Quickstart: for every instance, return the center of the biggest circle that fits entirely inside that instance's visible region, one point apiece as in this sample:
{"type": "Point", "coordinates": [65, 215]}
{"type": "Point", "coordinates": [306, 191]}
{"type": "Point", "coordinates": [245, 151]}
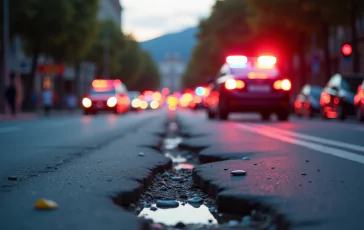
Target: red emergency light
{"type": "Point", "coordinates": [346, 49]}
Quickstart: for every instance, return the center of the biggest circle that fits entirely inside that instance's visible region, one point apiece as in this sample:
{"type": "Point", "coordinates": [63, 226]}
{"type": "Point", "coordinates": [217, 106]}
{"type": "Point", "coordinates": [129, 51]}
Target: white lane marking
{"type": "Point", "coordinates": [315, 139]}
{"type": "Point", "coordinates": [8, 129]}
{"type": "Point", "coordinates": [360, 129]}
{"type": "Point", "coordinates": [317, 147]}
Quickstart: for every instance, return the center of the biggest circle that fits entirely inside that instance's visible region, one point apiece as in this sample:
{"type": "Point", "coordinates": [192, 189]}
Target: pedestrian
{"type": "Point", "coordinates": [11, 95]}
{"type": "Point", "coordinates": [47, 100]}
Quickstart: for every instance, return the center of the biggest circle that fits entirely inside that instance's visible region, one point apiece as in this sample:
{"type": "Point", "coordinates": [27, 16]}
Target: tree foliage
{"type": "Point", "coordinates": [107, 33]}
{"type": "Point", "coordinates": [281, 27]}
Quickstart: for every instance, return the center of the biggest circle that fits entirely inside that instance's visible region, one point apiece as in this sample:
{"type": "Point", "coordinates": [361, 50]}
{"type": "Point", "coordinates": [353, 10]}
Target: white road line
{"type": "Point", "coordinates": [313, 138]}
{"type": "Point", "coordinates": [8, 129]}
{"type": "Point", "coordinates": [317, 147]}
{"type": "Point", "coordinates": [360, 129]}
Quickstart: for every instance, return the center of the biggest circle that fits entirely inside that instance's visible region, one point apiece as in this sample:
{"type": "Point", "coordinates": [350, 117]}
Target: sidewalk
{"type": "Point", "coordinates": [37, 114]}
{"type": "Point", "coordinates": [19, 116]}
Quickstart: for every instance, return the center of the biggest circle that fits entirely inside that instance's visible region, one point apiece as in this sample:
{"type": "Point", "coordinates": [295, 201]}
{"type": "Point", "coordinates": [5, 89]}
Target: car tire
{"type": "Point", "coordinates": [283, 116]}
{"type": "Point", "coordinates": [340, 113]}
{"type": "Point", "coordinates": [359, 114]}
{"type": "Point", "coordinates": [223, 115]}
{"type": "Point", "coordinates": [210, 115]}
{"type": "Point", "coordinates": [265, 116]}
{"type": "Point", "coordinates": [323, 114]}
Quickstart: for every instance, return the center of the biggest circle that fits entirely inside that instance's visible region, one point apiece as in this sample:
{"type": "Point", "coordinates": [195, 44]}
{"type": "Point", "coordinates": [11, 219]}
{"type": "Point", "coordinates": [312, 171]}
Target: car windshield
{"type": "Point", "coordinates": [316, 92]}
{"type": "Point", "coordinates": [253, 72]}
{"type": "Point", "coordinates": [102, 92]}
{"type": "Point", "coordinates": [351, 84]}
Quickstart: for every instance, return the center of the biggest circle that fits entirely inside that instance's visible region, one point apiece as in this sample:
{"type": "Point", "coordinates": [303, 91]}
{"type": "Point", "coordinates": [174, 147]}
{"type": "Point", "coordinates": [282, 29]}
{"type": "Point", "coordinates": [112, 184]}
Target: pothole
{"type": "Point", "coordinates": [174, 202]}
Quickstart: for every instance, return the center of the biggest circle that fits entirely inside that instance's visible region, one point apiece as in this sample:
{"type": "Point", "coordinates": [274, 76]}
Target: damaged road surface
{"type": "Point", "coordinates": [307, 171]}
{"type": "Point", "coordinates": [179, 170]}
{"type": "Point", "coordinates": [84, 164]}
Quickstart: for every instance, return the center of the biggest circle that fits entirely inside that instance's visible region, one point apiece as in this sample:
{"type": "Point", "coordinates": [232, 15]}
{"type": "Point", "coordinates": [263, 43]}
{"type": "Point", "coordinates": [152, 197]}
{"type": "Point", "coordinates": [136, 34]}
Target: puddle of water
{"type": "Point", "coordinates": [183, 166]}
{"type": "Point", "coordinates": [187, 214]}
{"type": "Point", "coordinates": [176, 159]}
{"type": "Point", "coordinates": [172, 143]}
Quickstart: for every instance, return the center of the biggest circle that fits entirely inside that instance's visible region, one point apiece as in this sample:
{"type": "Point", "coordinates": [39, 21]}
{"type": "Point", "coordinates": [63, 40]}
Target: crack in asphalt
{"type": "Point", "coordinates": [7, 186]}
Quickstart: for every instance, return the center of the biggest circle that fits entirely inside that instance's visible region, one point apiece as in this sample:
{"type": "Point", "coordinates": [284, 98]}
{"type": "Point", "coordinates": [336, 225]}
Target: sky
{"type": "Point", "coordinates": [147, 19]}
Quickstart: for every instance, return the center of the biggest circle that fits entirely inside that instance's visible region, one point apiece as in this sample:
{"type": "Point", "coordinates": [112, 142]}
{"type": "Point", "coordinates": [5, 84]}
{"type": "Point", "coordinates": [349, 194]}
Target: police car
{"type": "Point", "coordinates": [249, 84]}
{"type": "Point", "coordinates": [106, 95]}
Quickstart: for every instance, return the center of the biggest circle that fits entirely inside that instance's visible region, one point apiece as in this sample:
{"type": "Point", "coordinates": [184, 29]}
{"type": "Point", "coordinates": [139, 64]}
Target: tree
{"type": "Point", "coordinates": [130, 61]}
{"type": "Point", "coordinates": [42, 24]}
{"type": "Point", "coordinates": [106, 30]}
{"type": "Point", "coordinates": [217, 39]}
{"type": "Point", "coordinates": [149, 78]}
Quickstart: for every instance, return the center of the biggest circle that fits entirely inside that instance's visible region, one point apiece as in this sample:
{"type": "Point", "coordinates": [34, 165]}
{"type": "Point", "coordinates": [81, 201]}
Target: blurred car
{"type": "Point", "coordinates": [106, 95]}
{"type": "Point", "coordinates": [337, 98]}
{"type": "Point", "coordinates": [134, 100]}
{"type": "Point", "coordinates": [198, 97]}
{"type": "Point", "coordinates": [359, 102]}
{"type": "Point", "coordinates": [150, 100]}
{"type": "Point", "coordinates": [249, 84]}
{"type": "Point", "coordinates": [307, 102]}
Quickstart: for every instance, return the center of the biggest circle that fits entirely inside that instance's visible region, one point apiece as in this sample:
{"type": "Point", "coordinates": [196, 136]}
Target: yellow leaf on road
{"type": "Point", "coordinates": [45, 204]}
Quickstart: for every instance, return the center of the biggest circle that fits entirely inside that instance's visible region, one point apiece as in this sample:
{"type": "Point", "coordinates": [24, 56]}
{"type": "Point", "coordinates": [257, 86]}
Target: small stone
{"type": "Point", "coordinates": [176, 178]}
{"type": "Point", "coordinates": [13, 178]}
{"type": "Point", "coordinates": [307, 161]}
{"type": "Point", "coordinates": [210, 221]}
{"type": "Point", "coordinates": [303, 174]}
{"type": "Point", "coordinates": [246, 158]}
{"type": "Point", "coordinates": [226, 169]}
{"type": "Point", "coordinates": [195, 199]}
{"type": "Point", "coordinates": [233, 223]}
{"type": "Point", "coordinates": [180, 225]}
{"type": "Point", "coordinates": [165, 174]}
{"type": "Point", "coordinates": [272, 168]}
{"type": "Point", "coordinates": [246, 221]}
{"type": "Point", "coordinates": [153, 208]}
{"type": "Point", "coordinates": [167, 204]}
{"type": "Point", "coordinates": [318, 170]}
{"type": "Point", "coordinates": [309, 181]}
{"type": "Point", "coordinates": [255, 164]}
{"type": "Point", "coordinates": [238, 173]}
{"type": "Point", "coordinates": [141, 154]}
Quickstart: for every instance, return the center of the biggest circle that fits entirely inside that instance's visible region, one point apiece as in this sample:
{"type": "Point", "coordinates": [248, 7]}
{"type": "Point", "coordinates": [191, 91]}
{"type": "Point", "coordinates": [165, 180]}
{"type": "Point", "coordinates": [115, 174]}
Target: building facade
{"type": "Point", "coordinates": [111, 9]}
{"type": "Point", "coordinates": [171, 70]}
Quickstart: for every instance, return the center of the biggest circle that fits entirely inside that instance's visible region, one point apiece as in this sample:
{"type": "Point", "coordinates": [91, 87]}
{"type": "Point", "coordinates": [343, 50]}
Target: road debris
{"type": "Point", "coordinates": [238, 173]}
{"type": "Point", "coordinates": [44, 204]}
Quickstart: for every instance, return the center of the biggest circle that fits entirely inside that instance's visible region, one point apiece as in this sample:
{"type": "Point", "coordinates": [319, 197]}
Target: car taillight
{"type": "Point", "coordinates": [86, 102]}
{"type": "Point", "coordinates": [282, 85]}
{"type": "Point", "coordinates": [232, 84]}
{"type": "Point", "coordinates": [325, 98]}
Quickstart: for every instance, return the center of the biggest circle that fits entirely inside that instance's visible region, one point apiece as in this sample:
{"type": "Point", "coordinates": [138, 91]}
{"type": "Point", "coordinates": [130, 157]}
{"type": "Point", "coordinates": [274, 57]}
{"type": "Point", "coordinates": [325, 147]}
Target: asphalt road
{"type": "Point", "coordinates": [80, 162]}
{"type": "Point", "coordinates": [309, 170]}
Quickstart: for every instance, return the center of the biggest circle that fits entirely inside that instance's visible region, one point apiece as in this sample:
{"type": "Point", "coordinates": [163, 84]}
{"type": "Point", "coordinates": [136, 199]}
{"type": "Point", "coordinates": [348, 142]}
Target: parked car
{"type": "Point", "coordinates": [337, 98]}
{"type": "Point", "coordinates": [307, 102]}
{"type": "Point", "coordinates": [359, 102]}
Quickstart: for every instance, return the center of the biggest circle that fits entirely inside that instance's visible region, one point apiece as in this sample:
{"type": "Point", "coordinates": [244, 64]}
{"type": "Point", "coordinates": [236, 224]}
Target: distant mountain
{"type": "Point", "coordinates": [181, 42]}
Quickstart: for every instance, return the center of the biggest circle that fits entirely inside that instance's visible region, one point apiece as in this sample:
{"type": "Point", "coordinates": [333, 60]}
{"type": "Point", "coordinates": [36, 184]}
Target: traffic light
{"type": "Point", "coordinates": [346, 50]}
